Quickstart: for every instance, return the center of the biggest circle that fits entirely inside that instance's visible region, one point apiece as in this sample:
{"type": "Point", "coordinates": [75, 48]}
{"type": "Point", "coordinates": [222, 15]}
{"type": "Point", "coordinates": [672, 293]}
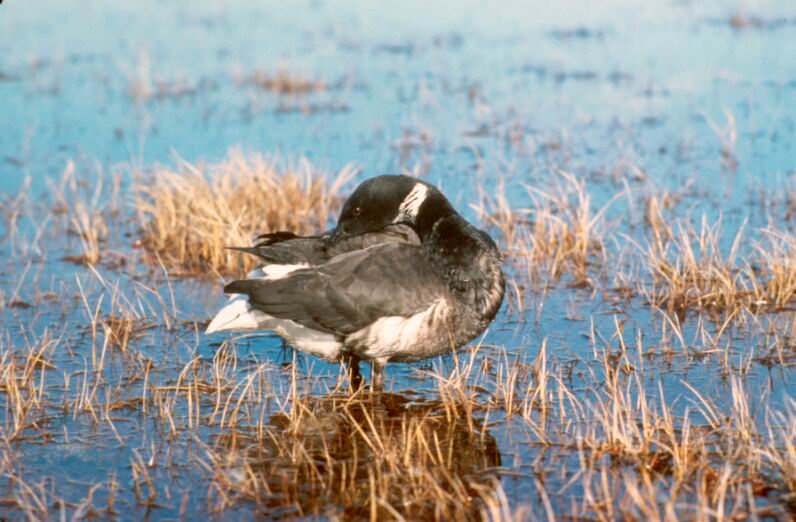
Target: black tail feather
{"type": "Point", "coordinates": [271, 238]}
{"type": "Point", "coordinates": [248, 250]}
{"type": "Point", "coordinates": [238, 287]}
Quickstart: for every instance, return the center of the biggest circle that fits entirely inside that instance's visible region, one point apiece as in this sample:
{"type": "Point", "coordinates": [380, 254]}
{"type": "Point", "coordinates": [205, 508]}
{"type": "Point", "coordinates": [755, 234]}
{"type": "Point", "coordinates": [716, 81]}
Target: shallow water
{"type": "Point", "coordinates": [624, 96]}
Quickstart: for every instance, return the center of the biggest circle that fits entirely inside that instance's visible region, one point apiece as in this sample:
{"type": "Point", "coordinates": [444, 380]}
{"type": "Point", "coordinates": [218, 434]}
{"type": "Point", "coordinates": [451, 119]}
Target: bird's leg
{"type": "Point", "coordinates": [352, 366]}
{"type": "Point", "coordinates": [376, 376]}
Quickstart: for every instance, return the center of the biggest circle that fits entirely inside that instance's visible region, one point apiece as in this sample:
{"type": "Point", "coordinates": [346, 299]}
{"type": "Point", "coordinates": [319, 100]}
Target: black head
{"type": "Point", "coordinates": [385, 200]}
{"type": "Point", "coordinates": [469, 262]}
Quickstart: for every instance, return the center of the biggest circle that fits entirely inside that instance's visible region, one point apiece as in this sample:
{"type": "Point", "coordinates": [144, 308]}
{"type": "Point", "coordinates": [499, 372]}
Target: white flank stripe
{"type": "Point", "coordinates": [397, 335]}
{"type": "Point", "coordinates": [305, 339]}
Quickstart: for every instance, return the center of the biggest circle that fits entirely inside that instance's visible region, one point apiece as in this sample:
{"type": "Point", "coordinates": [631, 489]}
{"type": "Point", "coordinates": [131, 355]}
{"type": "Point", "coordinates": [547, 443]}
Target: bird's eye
{"type": "Point", "coordinates": [356, 212]}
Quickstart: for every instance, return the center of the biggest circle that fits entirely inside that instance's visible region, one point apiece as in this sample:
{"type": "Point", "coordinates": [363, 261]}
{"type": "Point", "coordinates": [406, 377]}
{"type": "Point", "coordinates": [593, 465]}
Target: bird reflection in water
{"type": "Point", "coordinates": [380, 455]}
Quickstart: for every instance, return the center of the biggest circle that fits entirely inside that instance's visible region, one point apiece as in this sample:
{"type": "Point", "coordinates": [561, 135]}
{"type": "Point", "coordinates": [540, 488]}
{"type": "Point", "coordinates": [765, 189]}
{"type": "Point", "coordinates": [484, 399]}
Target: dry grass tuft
{"type": "Point", "coordinates": [189, 215]}
{"type": "Point", "coordinates": [559, 233]}
{"type": "Point", "coordinates": [90, 226]}
{"type": "Point", "coordinates": [690, 270]}
{"type": "Point", "coordinates": [728, 137]}
{"type": "Point", "coordinates": [285, 83]}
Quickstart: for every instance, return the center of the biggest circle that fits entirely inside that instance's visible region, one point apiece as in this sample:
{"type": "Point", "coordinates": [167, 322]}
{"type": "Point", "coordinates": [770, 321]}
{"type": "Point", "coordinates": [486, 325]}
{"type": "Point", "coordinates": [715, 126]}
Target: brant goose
{"type": "Point", "coordinates": [402, 277]}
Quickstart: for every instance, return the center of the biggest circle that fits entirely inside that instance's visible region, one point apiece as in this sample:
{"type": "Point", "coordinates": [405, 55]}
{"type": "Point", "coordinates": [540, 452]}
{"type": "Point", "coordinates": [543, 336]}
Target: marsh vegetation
{"type": "Point", "coordinates": [640, 368]}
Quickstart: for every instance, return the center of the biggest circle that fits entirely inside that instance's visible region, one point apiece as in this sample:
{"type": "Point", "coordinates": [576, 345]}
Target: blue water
{"type": "Point", "coordinates": [622, 94]}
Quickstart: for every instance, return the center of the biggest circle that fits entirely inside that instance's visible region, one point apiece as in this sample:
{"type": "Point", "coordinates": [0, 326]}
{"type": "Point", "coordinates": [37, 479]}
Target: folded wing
{"type": "Point", "coordinates": [286, 248]}
{"type": "Point", "coordinates": [351, 291]}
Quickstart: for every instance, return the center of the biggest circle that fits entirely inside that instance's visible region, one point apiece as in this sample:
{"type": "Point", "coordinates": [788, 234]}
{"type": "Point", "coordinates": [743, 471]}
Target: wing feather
{"type": "Point", "coordinates": [288, 248]}
{"type": "Point", "coordinates": [351, 291]}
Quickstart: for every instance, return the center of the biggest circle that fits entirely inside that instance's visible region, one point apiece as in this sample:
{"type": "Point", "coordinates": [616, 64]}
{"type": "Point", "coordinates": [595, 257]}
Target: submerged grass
{"type": "Point", "coordinates": [191, 213]}
{"type": "Point", "coordinates": [490, 434]}
{"type": "Point", "coordinates": [358, 457]}
{"type": "Point", "coordinates": [285, 83]}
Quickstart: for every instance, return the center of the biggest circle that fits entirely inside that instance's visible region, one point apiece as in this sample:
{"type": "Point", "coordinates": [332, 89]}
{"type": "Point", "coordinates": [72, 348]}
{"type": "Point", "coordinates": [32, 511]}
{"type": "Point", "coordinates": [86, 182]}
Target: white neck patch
{"type": "Point", "coordinates": [410, 206]}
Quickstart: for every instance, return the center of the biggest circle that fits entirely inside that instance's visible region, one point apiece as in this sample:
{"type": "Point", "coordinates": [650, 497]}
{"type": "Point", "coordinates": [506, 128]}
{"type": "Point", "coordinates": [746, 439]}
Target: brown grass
{"type": "Point", "coordinates": [283, 82]}
{"type": "Point", "coordinates": [559, 233]}
{"type": "Point", "coordinates": [191, 213]}
{"type": "Point", "coordinates": [81, 204]}
{"type": "Point", "coordinates": [590, 435]}
{"type": "Point", "coordinates": [363, 457]}
{"type": "Point", "coordinates": [632, 452]}
{"type": "Point", "coordinates": [690, 270]}
{"type": "Point", "coordinates": [90, 227]}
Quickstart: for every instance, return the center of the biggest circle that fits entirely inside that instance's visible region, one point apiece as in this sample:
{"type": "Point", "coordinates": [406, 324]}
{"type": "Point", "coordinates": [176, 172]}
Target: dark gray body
{"type": "Point", "coordinates": [402, 277]}
{"type": "Point", "coordinates": [360, 295]}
